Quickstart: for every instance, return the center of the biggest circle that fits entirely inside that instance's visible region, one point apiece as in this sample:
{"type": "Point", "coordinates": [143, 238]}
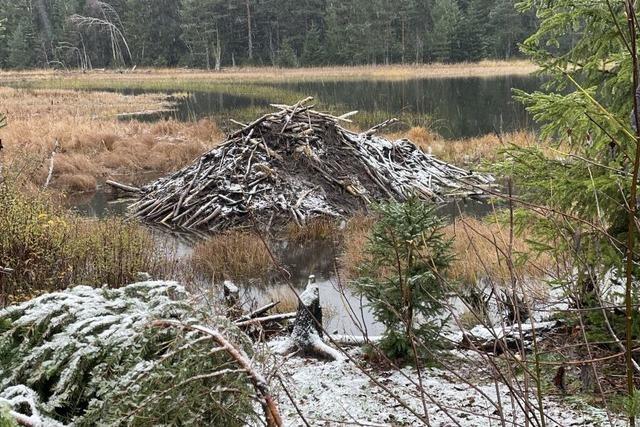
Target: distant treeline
{"type": "Point", "coordinates": [219, 33]}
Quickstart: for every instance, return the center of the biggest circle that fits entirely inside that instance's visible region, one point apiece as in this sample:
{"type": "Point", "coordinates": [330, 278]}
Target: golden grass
{"type": "Point", "coordinates": [93, 143]}
{"type": "Point", "coordinates": [481, 249]}
{"type": "Point", "coordinates": [320, 228]}
{"type": "Point", "coordinates": [272, 74]}
{"type": "Point", "coordinates": [233, 255]}
{"type": "Point", "coordinates": [355, 240]}
{"type": "Point", "coordinates": [468, 151]}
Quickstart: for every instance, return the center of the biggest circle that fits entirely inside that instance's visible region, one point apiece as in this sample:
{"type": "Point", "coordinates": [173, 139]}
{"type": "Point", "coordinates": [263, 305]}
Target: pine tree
{"type": "Point", "coordinates": [313, 52]}
{"type": "Point", "coordinates": [20, 49]}
{"type": "Point", "coordinates": [408, 245]}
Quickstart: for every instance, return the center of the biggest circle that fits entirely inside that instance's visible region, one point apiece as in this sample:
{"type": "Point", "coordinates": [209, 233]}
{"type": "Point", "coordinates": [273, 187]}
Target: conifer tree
{"type": "Point", "coordinates": [407, 244]}
{"type": "Point", "coordinates": [313, 52]}
{"type": "Point", "coordinates": [20, 51]}
{"type": "Point", "coordinates": [446, 17]}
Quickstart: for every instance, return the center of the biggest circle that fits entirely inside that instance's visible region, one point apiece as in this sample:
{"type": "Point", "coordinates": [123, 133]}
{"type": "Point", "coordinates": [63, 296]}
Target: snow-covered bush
{"type": "Point", "coordinates": [92, 356]}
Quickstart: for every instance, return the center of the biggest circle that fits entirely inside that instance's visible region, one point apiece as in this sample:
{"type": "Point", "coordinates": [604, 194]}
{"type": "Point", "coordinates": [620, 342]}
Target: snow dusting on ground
{"type": "Point", "coordinates": [338, 393]}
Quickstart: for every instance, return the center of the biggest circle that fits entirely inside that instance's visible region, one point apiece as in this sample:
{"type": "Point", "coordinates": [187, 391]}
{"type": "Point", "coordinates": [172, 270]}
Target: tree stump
{"type": "Point", "coordinates": [306, 337]}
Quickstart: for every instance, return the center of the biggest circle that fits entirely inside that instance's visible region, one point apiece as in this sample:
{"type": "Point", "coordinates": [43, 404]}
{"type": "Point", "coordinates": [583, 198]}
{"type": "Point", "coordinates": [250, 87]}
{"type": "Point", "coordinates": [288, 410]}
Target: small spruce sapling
{"type": "Point", "coordinates": [402, 277]}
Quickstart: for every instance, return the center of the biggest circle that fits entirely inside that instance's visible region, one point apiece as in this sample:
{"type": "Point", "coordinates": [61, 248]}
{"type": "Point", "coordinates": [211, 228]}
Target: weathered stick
{"type": "Point", "coordinates": [53, 155]}
{"type": "Point", "coordinates": [123, 187]}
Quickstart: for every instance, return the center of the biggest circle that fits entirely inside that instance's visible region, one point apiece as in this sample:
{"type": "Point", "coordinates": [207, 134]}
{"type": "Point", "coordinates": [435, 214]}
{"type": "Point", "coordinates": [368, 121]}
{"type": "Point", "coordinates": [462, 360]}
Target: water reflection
{"type": "Point", "coordinates": [454, 107]}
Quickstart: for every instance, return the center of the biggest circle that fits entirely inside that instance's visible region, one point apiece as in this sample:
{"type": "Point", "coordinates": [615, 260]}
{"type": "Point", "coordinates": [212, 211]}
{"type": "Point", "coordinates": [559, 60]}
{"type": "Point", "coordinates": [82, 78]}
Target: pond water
{"type": "Point", "coordinates": [453, 107]}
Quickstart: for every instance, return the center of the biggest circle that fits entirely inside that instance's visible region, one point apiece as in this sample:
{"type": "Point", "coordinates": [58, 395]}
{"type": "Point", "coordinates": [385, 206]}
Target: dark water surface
{"type": "Point", "coordinates": [453, 107]}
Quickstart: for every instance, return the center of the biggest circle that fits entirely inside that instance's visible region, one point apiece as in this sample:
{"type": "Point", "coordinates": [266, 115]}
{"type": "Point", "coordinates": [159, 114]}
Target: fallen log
{"type": "Point", "coordinates": [266, 319]}
{"type": "Point", "coordinates": [258, 312]}
{"type": "Point", "coordinates": [306, 338]}
{"type": "Point", "coordinates": [123, 187]}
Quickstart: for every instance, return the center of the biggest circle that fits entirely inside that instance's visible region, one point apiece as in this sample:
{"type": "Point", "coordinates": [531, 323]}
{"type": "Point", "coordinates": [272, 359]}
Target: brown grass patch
{"type": "Point", "coordinates": [287, 297]}
{"type": "Point", "coordinates": [234, 255]}
{"type": "Point", "coordinates": [356, 238]}
{"type": "Point", "coordinates": [76, 183]}
{"type": "Point", "coordinates": [486, 68]}
{"type": "Point", "coordinates": [320, 228]}
{"type": "Point", "coordinates": [93, 142]}
{"type": "Point", "coordinates": [481, 248]}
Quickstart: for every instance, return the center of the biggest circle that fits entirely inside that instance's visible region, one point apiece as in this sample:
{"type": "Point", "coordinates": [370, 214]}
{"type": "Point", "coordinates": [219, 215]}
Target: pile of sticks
{"type": "Point", "coordinates": [296, 164]}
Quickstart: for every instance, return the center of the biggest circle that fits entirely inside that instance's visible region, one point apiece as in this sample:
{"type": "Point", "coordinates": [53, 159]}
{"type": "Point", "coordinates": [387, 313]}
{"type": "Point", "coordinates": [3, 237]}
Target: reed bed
{"type": "Point", "coordinates": [235, 255]}
{"type": "Point", "coordinates": [182, 76]}
{"type": "Point", "coordinates": [92, 144]}
{"type": "Point", "coordinates": [481, 248]}
{"type": "Point", "coordinates": [467, 151]}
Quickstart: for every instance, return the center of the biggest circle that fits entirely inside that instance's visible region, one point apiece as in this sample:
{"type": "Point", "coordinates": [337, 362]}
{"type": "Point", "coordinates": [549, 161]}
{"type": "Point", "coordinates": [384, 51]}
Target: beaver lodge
{"type": "Point", "coordinates": [297, 163]}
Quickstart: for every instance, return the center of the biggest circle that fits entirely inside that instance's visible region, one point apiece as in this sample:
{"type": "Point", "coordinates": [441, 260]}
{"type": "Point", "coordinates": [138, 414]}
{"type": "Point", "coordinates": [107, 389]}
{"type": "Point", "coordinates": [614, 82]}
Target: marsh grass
{"type": "Point", "coordinates": [183, 78]}
{"type": "Point", "coordinates": [480, 246]}
{"type": "Point", "coordinates": [287, 297]}
{"type": "Point", "coordinates": [234, 255]}
{"type": "Point", "coordinates": [467, 151]}
{"type": "Point", "coordinates": [93, 144]}
{"type": "Point", "coordinates": [321, 228]}
{"type": "Point", "coordinates": [482, 250]}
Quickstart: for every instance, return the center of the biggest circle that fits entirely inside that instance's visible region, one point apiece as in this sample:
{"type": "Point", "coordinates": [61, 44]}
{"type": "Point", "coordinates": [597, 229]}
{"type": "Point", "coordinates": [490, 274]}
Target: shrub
{"type": "Point", "coordinates": [49, 249]}
{"type": "Point", "coordinates": [88, 356]}
{"type": "Point", "coordinates": [408, 245]}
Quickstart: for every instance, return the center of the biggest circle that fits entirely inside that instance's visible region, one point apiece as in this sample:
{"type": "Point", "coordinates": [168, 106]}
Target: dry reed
{"type": "Point", "coordinates": [93, 143]}
{"type": "Point", "coordinates": [234, 255]}
{"type": "Point", "coordinates": [487, 68]}
{"type": "Point", "coordinates": [480, 247]}
{"type": "Point", "coordinates": [467, 151]}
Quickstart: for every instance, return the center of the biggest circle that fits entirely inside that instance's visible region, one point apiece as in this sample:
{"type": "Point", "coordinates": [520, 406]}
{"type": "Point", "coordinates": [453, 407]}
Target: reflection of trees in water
{"type": "Point", "coordinates": [303, 259]}
{"type": "Point", "coordinates": [456, 107]}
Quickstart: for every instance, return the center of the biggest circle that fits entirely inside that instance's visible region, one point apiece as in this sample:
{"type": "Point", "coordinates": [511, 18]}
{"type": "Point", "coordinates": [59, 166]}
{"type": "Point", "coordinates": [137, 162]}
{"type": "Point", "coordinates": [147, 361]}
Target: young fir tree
{"type": "Point", "coordinates": [402, 277]}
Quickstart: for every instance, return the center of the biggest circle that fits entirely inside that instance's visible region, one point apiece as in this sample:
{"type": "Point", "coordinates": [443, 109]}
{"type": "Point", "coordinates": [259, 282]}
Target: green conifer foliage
{"type": "Point", "coordinates": [92, 357]}
{"type": "Point", "coordinates": [402, 278]}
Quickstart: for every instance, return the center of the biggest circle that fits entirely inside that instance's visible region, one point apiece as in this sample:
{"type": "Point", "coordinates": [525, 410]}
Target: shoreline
{"type": "Point", "coordinates": [101, 78]}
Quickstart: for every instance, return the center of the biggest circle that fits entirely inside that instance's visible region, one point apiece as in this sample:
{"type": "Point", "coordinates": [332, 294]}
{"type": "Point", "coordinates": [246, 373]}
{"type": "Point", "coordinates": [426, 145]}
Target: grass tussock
{"type": "Point", "coordinates": [233, 255]}
{"type": "Point", "coordinates": [355, 240]}
{"type": "Point", "coordinates": [50, 249]}
{"type": "Point", "coordinates": [93, 143]}
{"type": "Point", "coordinates": [287, 297]}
